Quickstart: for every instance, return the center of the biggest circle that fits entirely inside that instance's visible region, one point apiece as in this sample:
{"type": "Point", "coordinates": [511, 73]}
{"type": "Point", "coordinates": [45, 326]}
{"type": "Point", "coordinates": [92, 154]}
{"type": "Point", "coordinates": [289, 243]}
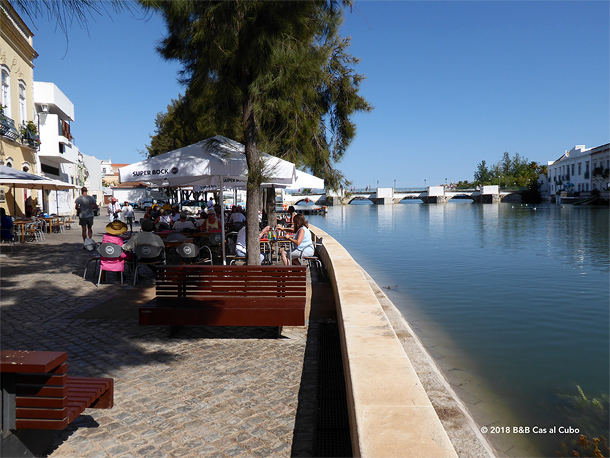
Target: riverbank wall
{"type": "Point", "coordinates": [390, 412]}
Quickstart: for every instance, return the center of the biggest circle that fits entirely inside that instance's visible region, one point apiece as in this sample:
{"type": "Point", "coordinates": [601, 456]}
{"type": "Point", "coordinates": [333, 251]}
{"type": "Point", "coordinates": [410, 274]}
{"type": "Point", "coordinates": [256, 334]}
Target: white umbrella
{"type": "Point", "coordinates": [205, 163]}
{"type": "Point", "coordinates": [19, 179]}
{"type": "Point", "coordinates": [202, 163]}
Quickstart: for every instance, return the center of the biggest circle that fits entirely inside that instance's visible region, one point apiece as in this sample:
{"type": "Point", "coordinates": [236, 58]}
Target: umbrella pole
{"type": "Point", "coordinates": [222, 224]}
{"type": "Point", "coordinates": [57, 202]}
{"type": "Point", "coordinates": [14, 202]}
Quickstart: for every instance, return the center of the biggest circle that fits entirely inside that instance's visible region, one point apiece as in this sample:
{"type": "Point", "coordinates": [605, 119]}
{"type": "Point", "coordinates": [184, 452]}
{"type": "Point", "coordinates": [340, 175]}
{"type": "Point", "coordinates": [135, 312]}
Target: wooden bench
{"type": "Point", "coordinates": [38, 394]}
{"type": "Point", "coordinates": [228, 296]}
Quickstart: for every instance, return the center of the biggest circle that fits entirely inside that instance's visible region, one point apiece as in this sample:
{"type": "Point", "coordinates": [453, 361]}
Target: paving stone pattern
{"type": "Point", "coordinates": [206, 392]}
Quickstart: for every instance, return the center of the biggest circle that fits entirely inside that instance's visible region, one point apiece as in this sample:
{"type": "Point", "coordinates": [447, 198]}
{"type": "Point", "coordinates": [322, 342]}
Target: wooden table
{"type": "Point", "coordinates": [21, 224]}
{"type": "Point", "coordinates": [278, 243]}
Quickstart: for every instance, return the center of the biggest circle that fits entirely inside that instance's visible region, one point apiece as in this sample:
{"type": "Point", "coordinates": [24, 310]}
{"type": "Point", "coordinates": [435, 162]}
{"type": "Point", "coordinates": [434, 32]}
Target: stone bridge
{"type": "Point", "coordinates": [431, 194]}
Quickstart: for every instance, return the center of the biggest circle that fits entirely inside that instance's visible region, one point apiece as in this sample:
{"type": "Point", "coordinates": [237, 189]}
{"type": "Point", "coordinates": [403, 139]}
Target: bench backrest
{"type": "Point", "coordinates": [205, 282]}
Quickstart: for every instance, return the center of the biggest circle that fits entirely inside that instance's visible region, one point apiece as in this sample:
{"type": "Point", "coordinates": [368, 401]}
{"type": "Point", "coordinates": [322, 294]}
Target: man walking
{"type": "Point", "coordinates": [84, 210]}
{"type": "Point", "coordinates": [114, 208]}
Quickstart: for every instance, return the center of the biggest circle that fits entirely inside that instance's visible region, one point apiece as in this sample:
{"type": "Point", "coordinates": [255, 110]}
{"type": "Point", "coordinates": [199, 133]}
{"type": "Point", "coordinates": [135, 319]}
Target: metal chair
{"type": "Point", "coordinates": [95, 257]}
{"type": "Point", "coordinates": [189, 254]}
{"type": "Point", "coordinates": [312, 259]}
{"type": "Point", "coordinates": [31, 230]}
{"type": "Point", "coordinates": [147, 255]}
{"type": "Point", "coordinates": [214, 243]}
{"type": "Point", "coordinates": [109, 251]}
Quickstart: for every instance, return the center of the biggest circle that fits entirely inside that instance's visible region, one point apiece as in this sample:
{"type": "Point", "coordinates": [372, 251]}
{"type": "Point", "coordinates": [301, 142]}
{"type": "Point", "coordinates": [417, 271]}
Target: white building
{"type": "Point", "coordinates": [92, 176]}
{"type": "Point", "coordinates": [59, 157]}
{"type": "Point", "coordinates": [573, 172]}
{"type": "Point", "coordinates": [600, 170]}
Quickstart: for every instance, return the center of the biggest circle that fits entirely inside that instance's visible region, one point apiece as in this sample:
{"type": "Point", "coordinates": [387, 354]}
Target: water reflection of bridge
{"type": "Point", "coordinates": [383, 196]}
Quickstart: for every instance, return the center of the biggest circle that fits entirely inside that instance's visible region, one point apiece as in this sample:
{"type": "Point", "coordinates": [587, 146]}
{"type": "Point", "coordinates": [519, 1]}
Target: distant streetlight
{"type": "Point", "coordinates": [425, 185]}
{"type": "Point", "coordinates": [377, 183]}
{"type": "Point", "coordinates": [445, 181]}
{"type": "Point", "coordinates": [394, 184]}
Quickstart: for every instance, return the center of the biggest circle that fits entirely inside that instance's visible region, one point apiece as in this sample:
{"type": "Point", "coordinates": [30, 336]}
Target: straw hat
{"type": "Point", "coordinates": [116, 227]}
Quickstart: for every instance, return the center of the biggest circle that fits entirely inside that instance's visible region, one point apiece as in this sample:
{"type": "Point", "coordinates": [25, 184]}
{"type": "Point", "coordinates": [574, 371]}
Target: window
{"type": "Point", "coordinates": [5, 91]}
{"type": "Point", "coordinates": [23, 112]}
{"type": "Point", "coordinates": [572, 169]}
{"type": "Point", "coordinates": [580, 168]}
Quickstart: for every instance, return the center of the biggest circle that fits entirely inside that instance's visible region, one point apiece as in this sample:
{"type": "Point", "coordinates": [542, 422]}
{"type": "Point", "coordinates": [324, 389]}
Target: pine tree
{"type": "Point", "coordinates": [280, 68]}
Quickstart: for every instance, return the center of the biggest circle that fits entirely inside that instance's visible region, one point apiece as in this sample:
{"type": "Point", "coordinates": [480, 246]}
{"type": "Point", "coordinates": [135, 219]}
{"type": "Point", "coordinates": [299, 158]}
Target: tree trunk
{"type": "Point", "coordinates": [253, 247]}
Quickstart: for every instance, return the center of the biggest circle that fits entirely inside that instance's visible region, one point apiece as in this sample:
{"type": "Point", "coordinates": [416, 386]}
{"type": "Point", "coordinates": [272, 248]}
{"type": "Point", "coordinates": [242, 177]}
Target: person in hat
{"type": "Point", "coordinates": [84, 209]}
{"type": "Point", "coordinates": [113, 235]}
{"type": "Point", "coordinates": [114, 209]}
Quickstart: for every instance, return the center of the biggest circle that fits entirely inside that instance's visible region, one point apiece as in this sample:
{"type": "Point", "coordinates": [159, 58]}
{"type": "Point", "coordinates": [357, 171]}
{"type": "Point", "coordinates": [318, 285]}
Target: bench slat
{"type": "Point", "coordinates": [24, 413]}
{"type": "Point", "coordinates": [37, 390]}
{"type": "Point", "coordinates": [41, 379]}
{"type": "Point", "coordinates": [40, 401]}
{"type": "Point", "coordinates": [41, 423]}
{"type": "Point", "coordinates": [219, 303]}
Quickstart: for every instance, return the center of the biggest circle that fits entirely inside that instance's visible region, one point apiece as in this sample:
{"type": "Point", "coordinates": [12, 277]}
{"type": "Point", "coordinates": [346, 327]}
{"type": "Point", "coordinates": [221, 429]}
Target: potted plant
{"type": "Point", "coordinates": [29, 134]}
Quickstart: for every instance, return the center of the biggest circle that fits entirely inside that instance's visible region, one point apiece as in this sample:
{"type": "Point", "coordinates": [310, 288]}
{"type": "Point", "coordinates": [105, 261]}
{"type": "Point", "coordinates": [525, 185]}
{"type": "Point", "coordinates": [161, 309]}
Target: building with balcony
{"type": "Point", "coordinates": [600, 169]}
{"type": "Point", "coordinates": [18, 133]}
{"type": "Point", "coordinates": [580, 171]}
{"type": "Point", "coordinates": [58, 155]}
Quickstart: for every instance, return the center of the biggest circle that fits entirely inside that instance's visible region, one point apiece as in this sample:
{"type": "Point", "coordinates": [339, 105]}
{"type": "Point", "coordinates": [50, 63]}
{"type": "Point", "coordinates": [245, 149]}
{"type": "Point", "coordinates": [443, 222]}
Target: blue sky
{"type": "Point", "coordinates": [452, 83]}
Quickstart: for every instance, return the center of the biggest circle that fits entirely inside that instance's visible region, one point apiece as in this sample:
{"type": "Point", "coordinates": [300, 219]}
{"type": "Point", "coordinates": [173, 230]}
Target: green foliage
{"type": "Point", "coordinates": [300, 88]}
{"type": "Point", "coordinates": [29, 133]}
{"type": "Point", "coordinates": [509, 172]}
{"type": "Point", "coordinates": [591, 415]}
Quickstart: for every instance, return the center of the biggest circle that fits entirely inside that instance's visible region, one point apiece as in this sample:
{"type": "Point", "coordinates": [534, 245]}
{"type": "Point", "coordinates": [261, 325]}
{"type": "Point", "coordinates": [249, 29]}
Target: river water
{"type": "Point", "coordinates": [512, 301]}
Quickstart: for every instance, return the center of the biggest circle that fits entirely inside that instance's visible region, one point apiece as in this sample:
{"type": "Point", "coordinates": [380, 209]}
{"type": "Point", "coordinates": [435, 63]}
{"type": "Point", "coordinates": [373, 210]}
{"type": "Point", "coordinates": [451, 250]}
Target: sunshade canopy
{"type": "Point", "coordinates": [19, 179]}
{"type": "Point", "coordinates": [203, 163]}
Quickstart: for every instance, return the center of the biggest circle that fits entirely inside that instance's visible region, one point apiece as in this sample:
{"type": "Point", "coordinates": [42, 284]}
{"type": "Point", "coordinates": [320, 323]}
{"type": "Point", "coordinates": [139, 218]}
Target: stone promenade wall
{"type": "Point", "coordinates": [390, 412]}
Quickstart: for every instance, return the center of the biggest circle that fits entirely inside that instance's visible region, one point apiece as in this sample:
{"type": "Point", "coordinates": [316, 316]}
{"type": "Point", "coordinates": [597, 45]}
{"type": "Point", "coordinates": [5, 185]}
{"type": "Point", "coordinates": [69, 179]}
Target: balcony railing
{"type": "Point", "coordinates": [8, 129]}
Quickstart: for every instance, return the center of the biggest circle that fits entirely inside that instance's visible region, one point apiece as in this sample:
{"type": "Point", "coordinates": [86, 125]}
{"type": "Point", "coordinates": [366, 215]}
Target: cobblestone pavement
{"type": "Point", "coordinates": [213, 392]}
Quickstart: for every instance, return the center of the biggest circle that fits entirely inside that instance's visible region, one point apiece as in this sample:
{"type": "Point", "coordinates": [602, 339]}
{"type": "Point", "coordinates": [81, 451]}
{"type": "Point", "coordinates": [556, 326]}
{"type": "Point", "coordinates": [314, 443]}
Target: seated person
{"type": "Point", "coordinates": [240, 245]}
{"type": "Point", "coordinates": [183, 223]}
{"type": "Point", "coordinates": [212, 224]}
{"type": "Point", "coordinates": [237, 216]}
{"type": "Point", "coordinates": [163, 222]}
{"type": "Point", "coordinates": [302, 241]}
{"type": "Point", "coordinates": [146, 237]}
{"type": "Point", "coordinates": [6, 223]}
{"type": "Point", "coordinates": [200, 222]}
{"type": "Point", "coordinates": [175, 215]}
{"type": "Point", "coordinates": [112, 235]}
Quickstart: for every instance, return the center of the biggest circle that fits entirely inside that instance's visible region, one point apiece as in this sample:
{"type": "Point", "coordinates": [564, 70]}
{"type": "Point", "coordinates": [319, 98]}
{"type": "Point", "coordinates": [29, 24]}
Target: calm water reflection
{"type": "Point", "coordinates": [514, 299]}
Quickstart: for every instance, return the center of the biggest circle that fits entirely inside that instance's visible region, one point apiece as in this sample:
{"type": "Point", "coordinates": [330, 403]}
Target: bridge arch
{"type": "Point", "coordinates": [461, 197]}
{"type": "Point", "coordinates": [354, 198]}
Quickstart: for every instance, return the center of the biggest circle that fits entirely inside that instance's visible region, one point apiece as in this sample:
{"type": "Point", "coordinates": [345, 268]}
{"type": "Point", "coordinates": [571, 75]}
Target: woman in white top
{"type": "Point", "coordinates": [302, 241]}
